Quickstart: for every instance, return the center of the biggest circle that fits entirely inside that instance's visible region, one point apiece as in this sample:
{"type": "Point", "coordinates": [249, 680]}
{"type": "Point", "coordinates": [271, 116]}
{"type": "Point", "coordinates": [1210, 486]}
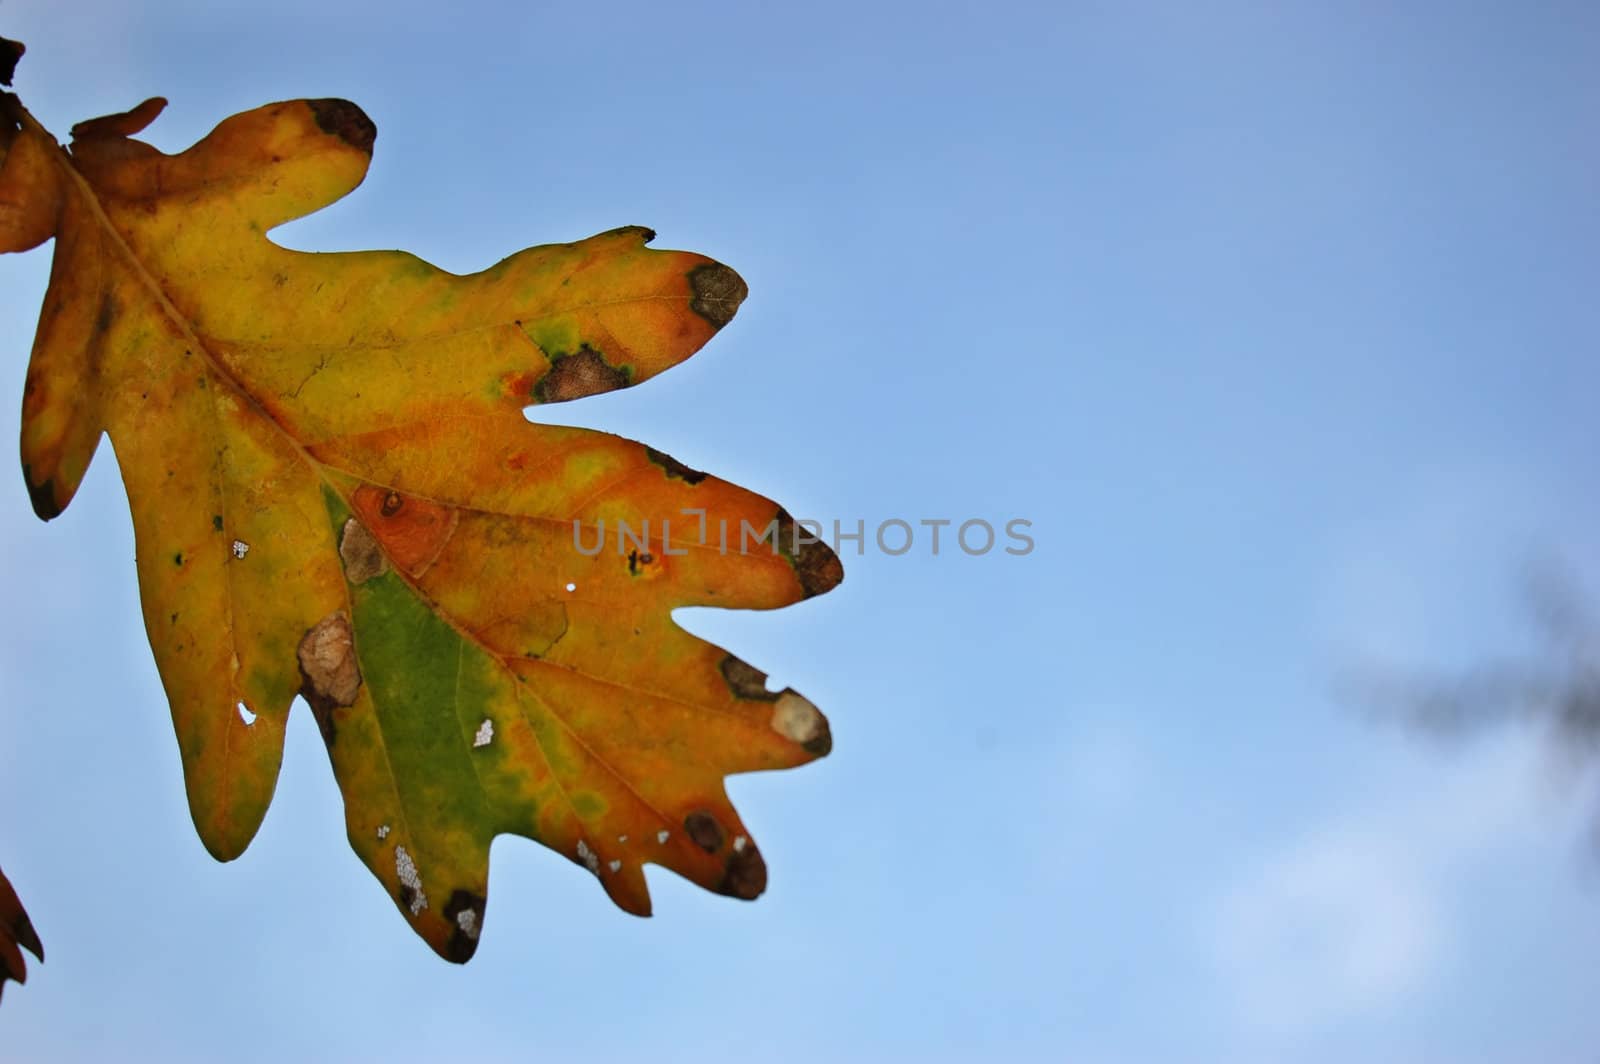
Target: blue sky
{"type": "Point", "coordinates": [1275, 320]}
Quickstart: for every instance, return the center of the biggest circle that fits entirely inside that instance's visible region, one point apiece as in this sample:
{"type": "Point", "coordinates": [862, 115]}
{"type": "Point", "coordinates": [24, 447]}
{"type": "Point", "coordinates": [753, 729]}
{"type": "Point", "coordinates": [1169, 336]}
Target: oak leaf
{"type": "Point", "coordinates": [335, 494]}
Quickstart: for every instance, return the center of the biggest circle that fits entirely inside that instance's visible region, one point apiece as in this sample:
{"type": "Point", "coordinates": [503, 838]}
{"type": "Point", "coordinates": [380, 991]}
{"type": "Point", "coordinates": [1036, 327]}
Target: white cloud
{"type": "Point", "coordinates": [1338, 924]}
{"type": "Point", "coordinates": [1350, 920]}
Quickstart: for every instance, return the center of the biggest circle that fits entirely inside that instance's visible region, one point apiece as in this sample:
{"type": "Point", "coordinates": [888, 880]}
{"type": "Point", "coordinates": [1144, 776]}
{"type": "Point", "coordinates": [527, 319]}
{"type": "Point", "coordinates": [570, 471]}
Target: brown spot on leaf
{"type": "Point", "coordinates": [343, 119]}
{"type": "Point", "coordinates": [465, 911]}
{"type": "Point", "coordinates": [815, 565]}
{"type": "Point", "coordinates": [718, 291]}
{"type": "Point", "coordinates": [703, 829]}
{"type": "Point", "coordinates": [330, 676]}
{"type": "Point", "coordinates": [363, 558]}
{"type": "Point", "coordinates": [745, 874]}
{"type": "Point", "coordinates": [673, 467]}
{"type": "Point", "coordinates": [107, 314]}
{"type": "Point", "coordinates": [392, 504]}
{"type": "Point", "coordinates": [577, 375]}
{"type": "Point", "coordinates": [746, 681]}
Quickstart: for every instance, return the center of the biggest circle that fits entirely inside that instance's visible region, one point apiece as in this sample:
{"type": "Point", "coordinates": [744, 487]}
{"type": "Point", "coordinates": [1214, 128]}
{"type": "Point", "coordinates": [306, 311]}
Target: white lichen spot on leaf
{"type": "Point", "coordinates": [590, 859]}
{"type": "Point", "coordinates": [796, 719]}
{"type": "Point", "coordinates": [485, 733]}
{"type": "Point", "coordinates": [410, 880]}
{"type": "Point", "coordinates": [467, 920]}
{"type": "Point", "coordinates": [383, 832]}
{"type": "Point", "coordinates": [240, 548]}
{"type": "Point", "coordinates": [661, 836]}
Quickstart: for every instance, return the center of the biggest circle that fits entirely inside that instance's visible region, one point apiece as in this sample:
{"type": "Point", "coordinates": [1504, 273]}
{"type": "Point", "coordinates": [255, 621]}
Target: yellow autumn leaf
{"type": "Point", "coordinates": [335, 494]}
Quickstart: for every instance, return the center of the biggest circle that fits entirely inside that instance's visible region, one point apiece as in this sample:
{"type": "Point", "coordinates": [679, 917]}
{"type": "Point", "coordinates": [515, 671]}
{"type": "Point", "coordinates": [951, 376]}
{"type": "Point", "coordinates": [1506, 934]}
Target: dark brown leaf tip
{"type": "Point", "coordinates": [718, 291]}
{"type": "Point", "coordinates": [465, 911]}
{"type": "Point", "coordinates": [28, 938]}
{"type": "Point", "coordinates": [22, 930]}
{"type": "Point", "coordinates": [822, 743]}
{"type": "Point", "coordinates": [815, 565]}
{"type": "Point", "coordinates": [343, 119]}
{"type": "Point", "coordinates": [644, 233]}
{"type": "Point", "coordinates": [10, 52]}
{"type": "Point", "coordinates": [745, 875]}
{"type": "Point", "coordinates": [43, 496]}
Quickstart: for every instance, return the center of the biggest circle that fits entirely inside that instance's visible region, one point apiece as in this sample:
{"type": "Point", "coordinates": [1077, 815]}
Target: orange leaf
{"type": "Point", "coordinates": [335, 494]}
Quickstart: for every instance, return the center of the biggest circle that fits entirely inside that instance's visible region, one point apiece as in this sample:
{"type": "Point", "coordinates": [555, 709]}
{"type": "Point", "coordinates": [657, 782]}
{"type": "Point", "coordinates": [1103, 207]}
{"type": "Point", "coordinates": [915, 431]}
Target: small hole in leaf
{"type": "Point", "coordinates": [245, 714]}
{"type": "Point", "coordinates": [572, 587]}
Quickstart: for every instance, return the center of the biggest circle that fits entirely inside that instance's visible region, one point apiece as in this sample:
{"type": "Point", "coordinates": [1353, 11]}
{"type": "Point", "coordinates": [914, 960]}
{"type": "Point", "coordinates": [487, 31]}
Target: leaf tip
{"type": "Point", "coordinates": [816, 566]}
{"type": "Point", "coordinates": [796, 719]}
{"type": "Point", "coordinates": [225, 842]}
{"type": "Point", "coordinates": [744, 872]}
{"type": "Point", "coordinates": [122, 124]}
{"type": "Point", "coordinates": [10, 52]}
{"type": "Point", "coordinates": [745, 875]}
{"type": "Point", "coordinates": [465, 911]}
{"type": "Point", "coordinates": [42, 496]}
{"type": "Point", "coordinates": [343, 119]}
{"type": "Point", "coordinates": [643, 232]}
{"type": "Point", "coordinates": [718, 291]}
{"type": "Point", "coordinates": [28, 938]}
